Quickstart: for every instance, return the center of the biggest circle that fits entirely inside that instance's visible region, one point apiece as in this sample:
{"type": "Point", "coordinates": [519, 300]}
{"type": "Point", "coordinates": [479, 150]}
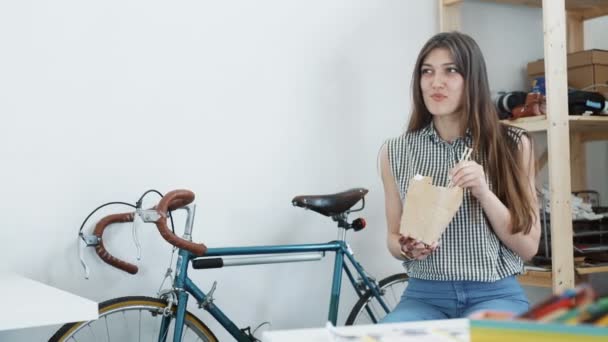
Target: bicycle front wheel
{"type": "Point", "coordinates": [132, 319]}
{"type": "Point", "coordinates": [368, 309]}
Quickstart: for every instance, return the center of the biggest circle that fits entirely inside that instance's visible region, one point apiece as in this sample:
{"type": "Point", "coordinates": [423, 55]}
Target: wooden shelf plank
{"type": "Point", "coordinates": [582, 123]}
{"type": "Point", "coordinates": [530, 123]}
{"type": "Point", "coordinates": [585, 9]}
{"type": "Point", "coordinates": [536, 278]}
{"type": "Point", "coordinates": [589, 123]}
{"type": "Point", "coordinates": [545, 279]}
{"type": "Point", "coordinates": [591, 269]}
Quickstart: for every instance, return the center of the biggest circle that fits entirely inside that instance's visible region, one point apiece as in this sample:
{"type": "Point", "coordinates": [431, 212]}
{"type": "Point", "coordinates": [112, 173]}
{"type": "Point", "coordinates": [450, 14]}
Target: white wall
{"type": "Point", "coordinates": [246, 103]}
{"type": "Point", "coordinates": [509, 37]}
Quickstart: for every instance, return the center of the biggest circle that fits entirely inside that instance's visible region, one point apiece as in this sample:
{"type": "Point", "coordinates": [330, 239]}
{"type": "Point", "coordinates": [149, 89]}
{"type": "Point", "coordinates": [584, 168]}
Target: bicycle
{"type": "Point", "coordinates": [166, 316]}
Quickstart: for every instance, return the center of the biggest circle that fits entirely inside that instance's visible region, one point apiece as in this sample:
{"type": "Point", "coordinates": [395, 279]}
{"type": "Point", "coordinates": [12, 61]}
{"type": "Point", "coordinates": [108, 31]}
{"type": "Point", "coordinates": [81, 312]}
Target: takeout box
{"type": "Point", "coordinates": [428, 209]}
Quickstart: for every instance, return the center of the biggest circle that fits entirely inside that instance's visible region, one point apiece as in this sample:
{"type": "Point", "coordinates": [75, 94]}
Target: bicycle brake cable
{"type": "Point", "coordinates": [101, 206]}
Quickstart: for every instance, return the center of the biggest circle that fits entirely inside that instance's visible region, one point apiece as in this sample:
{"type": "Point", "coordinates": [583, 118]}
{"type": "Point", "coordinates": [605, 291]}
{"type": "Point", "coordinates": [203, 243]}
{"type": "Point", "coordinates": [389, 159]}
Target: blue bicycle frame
{"type": "Point", "coordinates": [185, 285]}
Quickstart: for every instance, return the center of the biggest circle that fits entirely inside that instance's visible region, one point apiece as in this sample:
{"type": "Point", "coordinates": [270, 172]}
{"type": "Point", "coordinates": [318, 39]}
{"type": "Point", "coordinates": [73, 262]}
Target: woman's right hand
{"type": "Point", "coordinates": [415, 249]}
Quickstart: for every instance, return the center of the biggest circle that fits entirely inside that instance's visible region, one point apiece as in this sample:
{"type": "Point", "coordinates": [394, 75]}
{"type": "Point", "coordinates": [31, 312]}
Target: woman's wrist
{"type": "Point", "coordinates": [485, 196]}
{"type": "Point", "coordinates": [406, 256]}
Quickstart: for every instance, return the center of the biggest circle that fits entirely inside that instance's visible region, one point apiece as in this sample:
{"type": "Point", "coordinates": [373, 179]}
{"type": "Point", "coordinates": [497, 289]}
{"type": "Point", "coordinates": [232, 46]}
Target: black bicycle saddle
{"type": "Point", "coordinates": [330, 205]}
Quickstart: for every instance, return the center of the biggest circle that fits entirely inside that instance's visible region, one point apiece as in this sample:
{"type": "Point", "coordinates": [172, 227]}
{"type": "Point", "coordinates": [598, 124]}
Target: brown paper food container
{"type": "Point", "coordinates": [428, 209]}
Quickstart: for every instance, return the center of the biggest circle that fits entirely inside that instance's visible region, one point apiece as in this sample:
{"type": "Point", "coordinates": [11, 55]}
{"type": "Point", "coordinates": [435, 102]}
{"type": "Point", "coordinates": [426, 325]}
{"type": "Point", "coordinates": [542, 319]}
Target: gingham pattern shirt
{"type": "Point", "coordinates": [469, 250]}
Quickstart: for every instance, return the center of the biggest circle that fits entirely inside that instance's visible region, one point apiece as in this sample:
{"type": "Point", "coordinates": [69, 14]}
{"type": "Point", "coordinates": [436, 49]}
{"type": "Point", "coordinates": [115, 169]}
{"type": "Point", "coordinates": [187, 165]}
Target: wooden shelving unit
{"type": "Point", "coordinates": [566, 134]}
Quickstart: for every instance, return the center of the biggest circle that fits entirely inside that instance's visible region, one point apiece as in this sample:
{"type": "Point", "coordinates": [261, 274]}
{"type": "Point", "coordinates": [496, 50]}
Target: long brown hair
{"type": "Point", "coordinates": [500, 152]}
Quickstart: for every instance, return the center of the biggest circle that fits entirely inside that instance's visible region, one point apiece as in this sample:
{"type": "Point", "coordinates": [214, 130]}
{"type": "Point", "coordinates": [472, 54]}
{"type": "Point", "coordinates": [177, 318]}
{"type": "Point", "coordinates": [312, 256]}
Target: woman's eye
{"type": "Point", "coordinates": [426, 71]}
{"type": "Point", "coordinates": [452, 70]}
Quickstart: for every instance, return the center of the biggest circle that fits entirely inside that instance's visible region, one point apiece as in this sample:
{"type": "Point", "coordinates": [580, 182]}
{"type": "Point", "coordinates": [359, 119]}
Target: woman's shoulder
{"type": "Point", "coordinates": [514, 133]}
{"type": "Point", "coordinates": [405, 136]}
{"type": "Point", "coordinates": [400, 142]}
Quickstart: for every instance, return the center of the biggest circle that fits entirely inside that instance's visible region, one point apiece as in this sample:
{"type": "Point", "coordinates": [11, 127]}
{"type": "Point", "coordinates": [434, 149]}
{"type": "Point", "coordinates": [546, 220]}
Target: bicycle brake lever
{"type": "Point", "coordinates": [81, 248]}
{"type": "Point", "coordinates": [85, 241]}
{"type": "Point", "coordinates": [136, 221]}
{"type": "Point", "coordinates": [82, 245]}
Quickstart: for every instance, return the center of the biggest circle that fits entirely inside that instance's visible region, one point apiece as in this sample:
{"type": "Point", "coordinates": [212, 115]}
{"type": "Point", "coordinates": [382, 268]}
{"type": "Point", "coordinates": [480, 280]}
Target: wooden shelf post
{"type": "Point", "coordinates": [558, 142]}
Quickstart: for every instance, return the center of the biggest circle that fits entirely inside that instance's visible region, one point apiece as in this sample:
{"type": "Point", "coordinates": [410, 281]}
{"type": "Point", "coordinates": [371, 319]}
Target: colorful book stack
{"type": "Point", "coordinates": [573, 306]}
{"type": "Point", "coordinates": [574, 315]}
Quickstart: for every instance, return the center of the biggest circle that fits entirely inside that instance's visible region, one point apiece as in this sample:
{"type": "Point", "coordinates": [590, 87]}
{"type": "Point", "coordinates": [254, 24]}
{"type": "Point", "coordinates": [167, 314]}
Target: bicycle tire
{"type": "Point", "coordinates": [116, 306]}
{"type": "Point", "coordinates": [368, 300]}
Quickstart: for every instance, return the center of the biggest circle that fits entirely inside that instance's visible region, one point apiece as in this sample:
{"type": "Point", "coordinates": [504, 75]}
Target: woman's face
{"type": "Point", "coordinates": [441, 83]}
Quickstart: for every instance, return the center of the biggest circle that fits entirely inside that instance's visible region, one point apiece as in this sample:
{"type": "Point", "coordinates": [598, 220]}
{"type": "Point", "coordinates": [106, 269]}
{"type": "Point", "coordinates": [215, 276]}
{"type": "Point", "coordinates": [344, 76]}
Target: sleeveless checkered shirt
{"type": "Point", "coordinates": [469, 250]}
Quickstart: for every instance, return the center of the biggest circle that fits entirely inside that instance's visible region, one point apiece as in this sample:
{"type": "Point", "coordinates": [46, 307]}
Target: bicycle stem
{"type": "Point", "coordinates": [191, 209]}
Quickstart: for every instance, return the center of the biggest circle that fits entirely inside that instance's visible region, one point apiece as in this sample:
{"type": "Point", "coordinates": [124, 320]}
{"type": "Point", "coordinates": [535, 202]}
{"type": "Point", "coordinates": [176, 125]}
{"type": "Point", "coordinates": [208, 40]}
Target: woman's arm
{"type": "Point", "coordinates": [471, 175]}
{"type": "Point", "coordinates": [392, 204]}
{"type": "Point", "coordinates": [396, 242]}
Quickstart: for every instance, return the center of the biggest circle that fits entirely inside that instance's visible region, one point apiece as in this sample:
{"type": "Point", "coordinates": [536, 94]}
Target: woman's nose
{"type": "Point", "coordinates": [438, 80]}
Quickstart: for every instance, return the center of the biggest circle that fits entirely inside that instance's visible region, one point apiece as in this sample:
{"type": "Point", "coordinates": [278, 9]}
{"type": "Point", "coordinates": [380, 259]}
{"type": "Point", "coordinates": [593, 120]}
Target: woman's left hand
{"type": "Point", "coordinates": [470, 175]}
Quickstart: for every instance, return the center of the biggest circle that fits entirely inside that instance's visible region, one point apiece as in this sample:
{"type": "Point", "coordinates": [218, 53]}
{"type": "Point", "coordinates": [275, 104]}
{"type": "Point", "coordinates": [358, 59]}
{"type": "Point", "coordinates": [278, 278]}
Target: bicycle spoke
{"type": "Point", "coordinates": [158, 332]}
{"type": "Point", "coordinates": [105, 318]}
{"type": "Point", "coordinates": [370, 308]}
{"type": "Point", "coordinates": [166, 332]}
{"type": "Point", "coordinates": [124, 316]}
{"type": "Point", "coordinates": [92, 332]}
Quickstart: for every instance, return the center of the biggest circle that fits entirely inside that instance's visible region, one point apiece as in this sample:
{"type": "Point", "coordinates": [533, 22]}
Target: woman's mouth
{"type": "Point", "coordinates": [438, 97]}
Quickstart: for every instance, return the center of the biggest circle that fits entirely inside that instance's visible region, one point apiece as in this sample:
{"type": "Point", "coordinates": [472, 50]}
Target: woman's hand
{"type": "Point", "coordinates": [415, 249]}
{"type": "Point", "coordinates": [470, 175]}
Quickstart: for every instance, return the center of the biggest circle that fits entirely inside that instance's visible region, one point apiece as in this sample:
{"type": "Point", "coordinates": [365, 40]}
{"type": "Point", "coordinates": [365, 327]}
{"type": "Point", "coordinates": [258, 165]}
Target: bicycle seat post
{"type": "Point", "coordinates": [341, 234]}
{"type": "Point", "coordinates": [342, 221]}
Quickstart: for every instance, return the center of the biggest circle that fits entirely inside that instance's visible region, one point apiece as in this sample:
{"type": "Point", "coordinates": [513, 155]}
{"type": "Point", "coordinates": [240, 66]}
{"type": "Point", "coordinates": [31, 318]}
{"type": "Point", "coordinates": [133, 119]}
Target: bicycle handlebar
{"type": "Point", "coordinates": [171, 201]}
{"type": "Point", "coordinates": [101, 249]}
{"type": "Point", "coordinates": [174, 200]}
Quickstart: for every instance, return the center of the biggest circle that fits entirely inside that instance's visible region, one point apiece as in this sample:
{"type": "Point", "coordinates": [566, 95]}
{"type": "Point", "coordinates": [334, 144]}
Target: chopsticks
{"type": "Point", "coordinates": [466, 155]}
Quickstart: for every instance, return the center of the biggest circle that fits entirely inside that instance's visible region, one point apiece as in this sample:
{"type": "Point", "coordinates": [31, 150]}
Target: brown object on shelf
{"type": "Point", "coordinates": [585, 68]}
{"type": "Point", "coordinates": [536, 104]}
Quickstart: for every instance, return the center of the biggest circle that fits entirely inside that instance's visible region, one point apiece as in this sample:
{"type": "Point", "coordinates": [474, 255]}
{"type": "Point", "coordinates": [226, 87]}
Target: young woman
{"type": "Point", "coordinates": [473, 267]}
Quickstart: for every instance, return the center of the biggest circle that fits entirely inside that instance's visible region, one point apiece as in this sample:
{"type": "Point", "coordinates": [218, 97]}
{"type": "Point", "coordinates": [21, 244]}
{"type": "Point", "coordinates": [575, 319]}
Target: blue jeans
{"type": "Point", "coordinates": [430, 299]}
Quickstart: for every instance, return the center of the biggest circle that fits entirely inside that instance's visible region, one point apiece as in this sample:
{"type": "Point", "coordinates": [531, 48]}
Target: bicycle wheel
{"type": "Point", "coordinates": [134, 318]}
{"type": "Point", "coordinates": [368, 310]}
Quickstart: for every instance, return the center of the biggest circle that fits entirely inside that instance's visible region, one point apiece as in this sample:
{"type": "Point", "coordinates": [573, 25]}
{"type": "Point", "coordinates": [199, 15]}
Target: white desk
{"type": "Point", "coordinates": [26, 303]}
{"type": "Point", "coordinates": [453, 330]}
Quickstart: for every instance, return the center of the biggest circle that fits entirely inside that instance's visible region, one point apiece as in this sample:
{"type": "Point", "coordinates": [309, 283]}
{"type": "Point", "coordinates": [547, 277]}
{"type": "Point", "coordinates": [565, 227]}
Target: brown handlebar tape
{"type": "Point", "coordinates": [101, 249]}
{"type": "Point", "coordinates": [174, 200]}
